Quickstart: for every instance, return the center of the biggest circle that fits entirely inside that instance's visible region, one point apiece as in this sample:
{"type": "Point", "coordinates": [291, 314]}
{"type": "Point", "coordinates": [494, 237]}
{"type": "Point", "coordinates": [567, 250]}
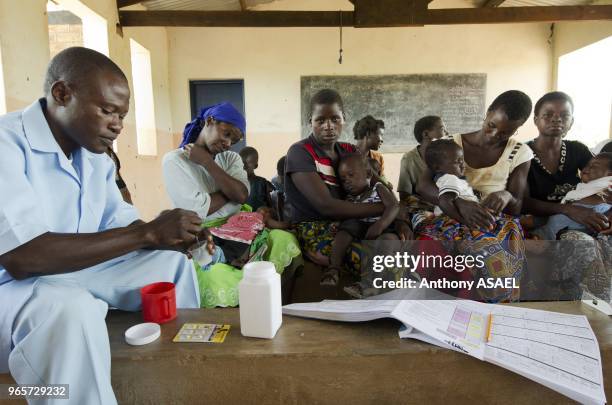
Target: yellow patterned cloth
{"type": "Point", "coordinates": [503, 249]}
{"type": "Point", "coordinates": [316, 238]}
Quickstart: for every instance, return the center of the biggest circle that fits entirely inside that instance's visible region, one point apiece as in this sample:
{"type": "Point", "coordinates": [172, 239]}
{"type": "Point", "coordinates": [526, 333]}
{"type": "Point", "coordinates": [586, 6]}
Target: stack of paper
{"type": "Point", "coordinates": [557, 350]}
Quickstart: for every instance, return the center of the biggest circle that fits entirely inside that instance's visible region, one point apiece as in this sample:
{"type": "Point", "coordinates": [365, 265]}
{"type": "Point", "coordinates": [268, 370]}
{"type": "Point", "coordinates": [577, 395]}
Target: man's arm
{"type": "Point", "coordinates": [53, 253]}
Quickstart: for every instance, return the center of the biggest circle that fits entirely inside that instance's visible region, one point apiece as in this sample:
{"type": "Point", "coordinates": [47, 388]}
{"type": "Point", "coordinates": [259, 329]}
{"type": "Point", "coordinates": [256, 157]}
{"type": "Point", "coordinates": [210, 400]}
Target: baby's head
{"type": "Point", "coordinates": [598, 167]}
{"type": "Point", "coordinates": [445, 156]}
{"type": "Point", "coordinates": [355, 173]}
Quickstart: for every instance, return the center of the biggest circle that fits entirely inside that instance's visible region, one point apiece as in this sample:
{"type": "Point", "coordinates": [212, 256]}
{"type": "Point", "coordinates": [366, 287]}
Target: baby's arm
{"type": "Point", "coordinates": [386, 219]}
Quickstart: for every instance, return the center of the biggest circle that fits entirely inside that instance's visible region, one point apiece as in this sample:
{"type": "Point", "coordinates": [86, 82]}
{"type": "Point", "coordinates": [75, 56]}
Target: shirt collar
{"type": "Point", "coordinates": [37, 129]}
{"type": "Point", "coordinates": [40, 138]}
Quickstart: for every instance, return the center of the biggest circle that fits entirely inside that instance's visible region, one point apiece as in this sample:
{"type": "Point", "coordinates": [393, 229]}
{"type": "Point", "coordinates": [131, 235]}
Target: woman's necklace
{"type": "Point", "coordinates": [561, 160]}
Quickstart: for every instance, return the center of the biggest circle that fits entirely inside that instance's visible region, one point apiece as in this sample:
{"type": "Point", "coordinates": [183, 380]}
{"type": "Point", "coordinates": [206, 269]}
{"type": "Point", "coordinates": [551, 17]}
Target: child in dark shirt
{"type": "Point", "coordinates": [260, 188]}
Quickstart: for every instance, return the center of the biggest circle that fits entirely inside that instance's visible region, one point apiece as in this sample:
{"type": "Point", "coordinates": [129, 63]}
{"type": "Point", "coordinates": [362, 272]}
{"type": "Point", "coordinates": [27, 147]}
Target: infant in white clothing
{"type": "Point", "coordinates": [445, 159]}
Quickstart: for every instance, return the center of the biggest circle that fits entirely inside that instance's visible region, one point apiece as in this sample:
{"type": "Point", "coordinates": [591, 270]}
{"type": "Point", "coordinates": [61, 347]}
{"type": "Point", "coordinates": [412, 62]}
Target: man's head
{"type": "Point", "coordinates": [87, 98]}
{"type": "Point", "coordinates": [355, 173]}
{"type": "Point", "coordinates": [598, 167]}
{"type": "Point", "coordinates": [250, 158]}
{"type": "Point", "coordinates": [445, 156]}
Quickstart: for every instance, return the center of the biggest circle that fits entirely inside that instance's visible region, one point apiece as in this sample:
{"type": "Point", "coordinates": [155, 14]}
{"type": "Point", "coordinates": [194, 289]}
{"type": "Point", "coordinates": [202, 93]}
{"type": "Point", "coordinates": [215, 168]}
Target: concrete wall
{"type": "Point", "coordinates": [23, 70]}
{"type": "Point", "coordinates": [271, 62]}
{"type": "Point", "coordinates": [24, 64]}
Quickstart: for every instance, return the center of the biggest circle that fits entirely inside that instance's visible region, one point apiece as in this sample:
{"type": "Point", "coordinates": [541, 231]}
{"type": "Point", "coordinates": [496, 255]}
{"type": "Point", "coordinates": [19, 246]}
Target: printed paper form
{"type": "Point", "coordinates": [557, 350]}
{"type": "Point", "coordinates": [460, 324]}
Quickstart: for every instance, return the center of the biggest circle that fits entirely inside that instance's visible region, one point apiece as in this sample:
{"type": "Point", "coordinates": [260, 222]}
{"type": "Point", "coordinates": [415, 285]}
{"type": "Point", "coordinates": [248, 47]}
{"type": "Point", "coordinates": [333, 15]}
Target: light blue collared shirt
{"type": "Point", "coordinates": [42, 191]}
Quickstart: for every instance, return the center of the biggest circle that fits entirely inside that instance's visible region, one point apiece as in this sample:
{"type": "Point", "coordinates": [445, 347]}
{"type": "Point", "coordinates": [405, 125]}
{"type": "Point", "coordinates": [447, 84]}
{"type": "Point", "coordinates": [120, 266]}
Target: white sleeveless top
{"type": "Point", "coordinates": [494, 178]}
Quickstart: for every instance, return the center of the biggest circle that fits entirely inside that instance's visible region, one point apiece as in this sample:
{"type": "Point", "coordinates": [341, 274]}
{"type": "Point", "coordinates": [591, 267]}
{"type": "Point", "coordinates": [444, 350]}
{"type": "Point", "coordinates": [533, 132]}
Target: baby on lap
{"type": "Point", "coordinates": [445, 159]}
{"type": "Point", "coordinates": [355, 176]}
{"type": "Point", "coordinates": [596, 178]}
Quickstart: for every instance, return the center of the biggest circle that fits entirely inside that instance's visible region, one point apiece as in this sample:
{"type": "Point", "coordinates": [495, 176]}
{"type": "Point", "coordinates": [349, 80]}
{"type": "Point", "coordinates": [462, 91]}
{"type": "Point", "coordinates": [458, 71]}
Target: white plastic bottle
{"type": "Point", "coordinates": [260, 301]}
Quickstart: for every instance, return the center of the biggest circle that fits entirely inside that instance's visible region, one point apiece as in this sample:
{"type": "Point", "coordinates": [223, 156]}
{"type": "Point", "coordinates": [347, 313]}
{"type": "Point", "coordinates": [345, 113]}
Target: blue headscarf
{"type": "Point", "coordinates": [224, 112]}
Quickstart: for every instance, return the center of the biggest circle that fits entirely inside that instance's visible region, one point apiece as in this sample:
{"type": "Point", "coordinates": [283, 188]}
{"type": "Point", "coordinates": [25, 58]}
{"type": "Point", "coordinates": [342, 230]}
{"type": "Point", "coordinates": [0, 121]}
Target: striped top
{"type": "Point", "coordinates": [307, 156]}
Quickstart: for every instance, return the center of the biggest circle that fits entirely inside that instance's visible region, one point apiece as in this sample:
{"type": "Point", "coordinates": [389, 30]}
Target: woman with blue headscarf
{"type": "Point", "coordinates": [204, 176]}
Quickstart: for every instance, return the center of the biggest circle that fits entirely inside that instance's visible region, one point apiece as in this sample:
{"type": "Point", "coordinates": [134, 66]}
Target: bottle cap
{"type": "Point", "coordinates": [142, 334]}
{"type": "Point", "coordinates": [258, 269]}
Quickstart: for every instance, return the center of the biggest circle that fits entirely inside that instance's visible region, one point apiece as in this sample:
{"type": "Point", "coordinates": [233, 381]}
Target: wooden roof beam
{"type": "Point", "coordinates": [488, 15]}
{"type": "Point", "coordinates": [127, 3]}
{"type": "Point", "coordinates": [187, 18]}
{"type": "Point", "coordinates": [492, 3]}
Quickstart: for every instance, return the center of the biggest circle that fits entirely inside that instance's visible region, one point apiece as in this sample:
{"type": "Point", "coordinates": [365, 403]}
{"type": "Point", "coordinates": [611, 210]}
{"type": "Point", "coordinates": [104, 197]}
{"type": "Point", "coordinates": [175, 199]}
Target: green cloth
{"type": "Point", "coordinates": [283, 247]}
{"type": "Point", "coordinates": [218, 284]}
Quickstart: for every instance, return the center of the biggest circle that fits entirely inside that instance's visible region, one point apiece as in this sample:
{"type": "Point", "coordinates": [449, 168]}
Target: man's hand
{"type": "Point", "coordinates": [497, 201]}
{"type": "Point", "coordinates": [174, 230]}
{"type": "Point", "coordinates": [474, 214]}
{"type": "Point", "coordinates": [587, 217]}
{"type": "Point", "coordinates": [204, 238]}
{"type": "Point", "coordinates": [198, 154]}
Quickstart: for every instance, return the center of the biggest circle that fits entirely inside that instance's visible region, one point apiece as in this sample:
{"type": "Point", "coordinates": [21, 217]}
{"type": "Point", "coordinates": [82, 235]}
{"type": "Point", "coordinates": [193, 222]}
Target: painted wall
{"type": "Point", "coordinates": [23, 71]}
{"type": "Point", "coordinates": [271, 62]}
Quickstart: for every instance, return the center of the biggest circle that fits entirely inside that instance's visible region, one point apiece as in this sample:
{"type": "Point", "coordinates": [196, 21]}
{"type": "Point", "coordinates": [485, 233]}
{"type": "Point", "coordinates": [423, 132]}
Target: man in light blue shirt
{"type": "Point", "coordinates": [69, 245]}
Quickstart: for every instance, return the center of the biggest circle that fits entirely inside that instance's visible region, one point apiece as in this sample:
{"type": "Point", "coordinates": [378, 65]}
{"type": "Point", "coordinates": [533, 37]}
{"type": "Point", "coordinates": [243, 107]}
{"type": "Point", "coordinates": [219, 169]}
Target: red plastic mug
{"type": "Point", "coordinates": [158, 302]}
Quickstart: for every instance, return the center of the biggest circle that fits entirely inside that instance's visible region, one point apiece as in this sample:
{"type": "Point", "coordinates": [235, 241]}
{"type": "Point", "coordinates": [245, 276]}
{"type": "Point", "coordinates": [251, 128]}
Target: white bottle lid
{"type": "Point", "coordinates": [258, 270]}
{"type": "Point", "coordinates": [142, 334]}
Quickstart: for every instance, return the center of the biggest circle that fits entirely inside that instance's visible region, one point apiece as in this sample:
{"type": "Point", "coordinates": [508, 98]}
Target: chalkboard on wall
{"type": "Point", "coordinates": [400, 100]}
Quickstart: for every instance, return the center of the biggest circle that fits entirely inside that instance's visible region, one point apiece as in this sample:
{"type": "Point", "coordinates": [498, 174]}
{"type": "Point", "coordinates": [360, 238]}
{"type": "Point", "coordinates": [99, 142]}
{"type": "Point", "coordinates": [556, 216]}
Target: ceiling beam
{"type": "Point", "coordinates": [492, 3]}
{"type": "Point", "coordinates": [243, 5]}
{"type": "Point", "coordinates": [331, 18]}
{"type": "Point", "coordinates": [500, 15]}
{"type": "Point", "coordinates": [184, 18]}
{"type": "Point", "coordinates": [126, 3]}
{"type": "Point", "coordinates": [389, 13]}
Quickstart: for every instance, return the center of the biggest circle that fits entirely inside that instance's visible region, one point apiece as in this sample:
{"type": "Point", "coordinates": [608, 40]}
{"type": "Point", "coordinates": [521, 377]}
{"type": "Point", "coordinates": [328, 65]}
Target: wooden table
{"type": "Point", "coordinates": [313, 361]}
{"type": "Point", "coordinates": [319, 362]}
